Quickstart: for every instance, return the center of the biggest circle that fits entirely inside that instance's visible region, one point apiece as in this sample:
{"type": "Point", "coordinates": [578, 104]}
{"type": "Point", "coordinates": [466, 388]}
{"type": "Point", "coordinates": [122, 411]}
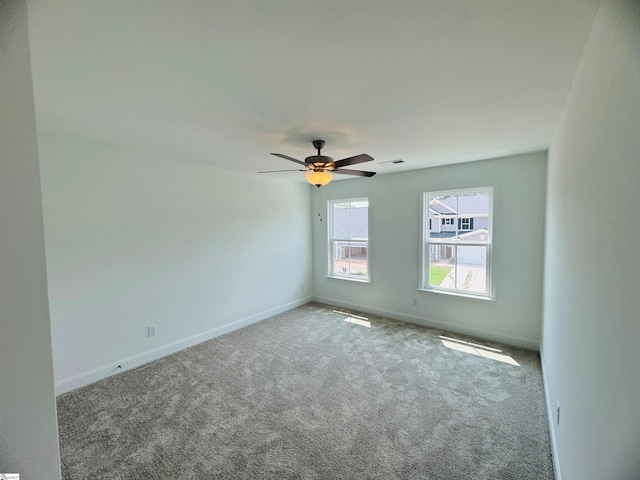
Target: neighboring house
{"type": "Point", "coordinates": [351, 223]}
{"type": "Point", "coordinates": [446, 219]}
{"type": "Point", "coordinates": [464, 217]}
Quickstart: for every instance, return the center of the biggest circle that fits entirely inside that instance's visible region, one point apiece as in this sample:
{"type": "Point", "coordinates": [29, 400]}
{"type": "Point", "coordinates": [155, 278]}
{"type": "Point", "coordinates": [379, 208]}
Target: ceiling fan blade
{"type": "Point", "coordinates": [288, 158]}
{"type": "Point", "coordinates": [358, 173]}
{"type": "Point", "coordinates": [353, 160]}
{"type": "Point", "coordinates": [275, 171]}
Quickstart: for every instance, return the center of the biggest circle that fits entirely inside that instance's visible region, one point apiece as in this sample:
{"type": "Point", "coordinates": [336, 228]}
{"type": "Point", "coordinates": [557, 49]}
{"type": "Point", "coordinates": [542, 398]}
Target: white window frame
{"type": "Point", "coordinates": [447, 220]}
{"type": "Point", "coordinates": [464, 220]}
{"type": "Point", "coordinates": [331, 240]}
{"type": "Point", "coordinates": [426, 241]}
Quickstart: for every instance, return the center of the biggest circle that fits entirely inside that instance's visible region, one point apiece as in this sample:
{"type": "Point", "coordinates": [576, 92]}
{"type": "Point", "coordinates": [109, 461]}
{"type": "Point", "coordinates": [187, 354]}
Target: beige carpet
{"type": "Point", "coordinates": [315, 394]}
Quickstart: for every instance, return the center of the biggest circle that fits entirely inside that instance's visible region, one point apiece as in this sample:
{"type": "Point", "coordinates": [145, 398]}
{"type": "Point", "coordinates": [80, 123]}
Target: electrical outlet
{"type": "Point", "coordinates": [151, 330]}
{"type": "Point", "coordinates": [557, 413]}
{"type": "Point", "coordinates": [414, 301]}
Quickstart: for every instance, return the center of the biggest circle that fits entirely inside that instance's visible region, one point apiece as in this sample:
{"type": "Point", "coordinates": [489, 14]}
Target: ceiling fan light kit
{"type": "Point", "coordinates": [318, 178]}
{"type": "Point", "coordinates": [319, 167]}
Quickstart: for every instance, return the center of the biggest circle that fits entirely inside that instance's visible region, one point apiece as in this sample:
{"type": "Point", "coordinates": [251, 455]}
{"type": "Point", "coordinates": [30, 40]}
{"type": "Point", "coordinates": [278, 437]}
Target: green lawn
{"type": "Point", "coordinates": [437, 275]}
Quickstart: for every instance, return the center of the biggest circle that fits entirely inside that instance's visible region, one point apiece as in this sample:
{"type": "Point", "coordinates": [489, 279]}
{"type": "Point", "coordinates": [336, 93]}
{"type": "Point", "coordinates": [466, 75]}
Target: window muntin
{"type": "Point", "coordinates": [456, 255]}
{"type": "Point", "coordinates": [349, 239]}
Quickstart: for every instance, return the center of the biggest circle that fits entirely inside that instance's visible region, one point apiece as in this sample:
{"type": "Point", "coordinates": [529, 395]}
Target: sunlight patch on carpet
{"type": "Point", "coordinates": [355, 319]}
{"type": "Point", "coordinates": [478, 350]}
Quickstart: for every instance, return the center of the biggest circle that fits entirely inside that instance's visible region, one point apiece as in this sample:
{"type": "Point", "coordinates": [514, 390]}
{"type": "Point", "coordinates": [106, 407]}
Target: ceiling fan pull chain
{"type": "Point", "coordinates": [318, 202]}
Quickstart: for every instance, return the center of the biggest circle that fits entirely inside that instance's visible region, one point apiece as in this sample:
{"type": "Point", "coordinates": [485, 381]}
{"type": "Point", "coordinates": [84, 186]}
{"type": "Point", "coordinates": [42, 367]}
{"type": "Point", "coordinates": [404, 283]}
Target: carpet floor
{"type": "Point", "coordinates": [315, 394]}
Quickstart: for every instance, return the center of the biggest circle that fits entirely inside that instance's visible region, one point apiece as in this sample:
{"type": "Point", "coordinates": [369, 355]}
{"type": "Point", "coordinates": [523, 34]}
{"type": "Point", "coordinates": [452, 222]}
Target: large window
{"type": "Point", "coordinates": [456, 255]}
{"type": "Point", "coordinates": [349, 239]}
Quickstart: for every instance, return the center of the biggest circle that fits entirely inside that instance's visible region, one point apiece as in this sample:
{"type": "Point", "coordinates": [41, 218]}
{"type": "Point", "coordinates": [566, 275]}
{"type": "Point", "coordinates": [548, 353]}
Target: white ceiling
{"type": "Point", "coordinates": [224, 83]}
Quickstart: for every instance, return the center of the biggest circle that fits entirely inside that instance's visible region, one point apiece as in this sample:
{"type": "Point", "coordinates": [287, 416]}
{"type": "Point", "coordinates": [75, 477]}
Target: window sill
{"type": "Point", "coordinates": [458, 294]}
{"type": "Point", "coordinates": [357, 280]}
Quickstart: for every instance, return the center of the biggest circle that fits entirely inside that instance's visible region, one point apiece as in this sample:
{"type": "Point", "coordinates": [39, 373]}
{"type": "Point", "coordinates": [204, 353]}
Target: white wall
{"type": "Point", "coordinates": [133, 241]}
{"type": "Point", "coordinates": [395, 202]}
{"type": "Point", "coordinates": [28, 427]}
{"type": "Point", "coordinates": [591, 334]}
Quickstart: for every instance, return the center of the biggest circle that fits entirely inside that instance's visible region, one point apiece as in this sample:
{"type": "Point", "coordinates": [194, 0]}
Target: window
{"type": "Point", "coordinates": [349, 239]}
{"type": "Point", "coordinates": [458, 259]}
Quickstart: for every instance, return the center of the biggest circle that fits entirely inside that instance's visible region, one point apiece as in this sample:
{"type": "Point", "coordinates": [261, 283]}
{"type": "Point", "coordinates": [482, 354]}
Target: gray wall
{"type": "Point", "coordinates": [395, 203]}
{"type": "Point", "coordinates": [28, 428]}
{"type": "Point", "coordinates": [591, 331]}
{"type": "Point", "coordinates": [134, 241]}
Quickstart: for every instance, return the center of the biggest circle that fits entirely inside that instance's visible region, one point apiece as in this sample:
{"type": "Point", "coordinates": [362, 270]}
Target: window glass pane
{"type": "Point", "coordinates": [442, 211]}
{"type": "Point", "coordinates": [471, 268]}
{"type": "Point", "coordinates": [340, 258]}
{"type": "Point", "coordinates": [441, 266]}
{"type": "Point", "coordinates": [475, 207]}
{"type": "Point", "coordinates": [342, 220]}
{"type": "Point", "coordinates": [351, 220]}
{"type": "Point", "coordinates": [360, 221]}
{"type": "Point", "coordinates": [349, 235]}
{"type": "Point", "coordinates": [358, 259]}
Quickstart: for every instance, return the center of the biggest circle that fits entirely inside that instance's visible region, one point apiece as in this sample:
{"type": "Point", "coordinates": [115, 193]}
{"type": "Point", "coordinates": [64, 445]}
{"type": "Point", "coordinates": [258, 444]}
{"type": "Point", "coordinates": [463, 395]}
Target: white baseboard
{"type": "Point", "coordinates": [552, 425]}
{"type": "Point", "coordinates": [514, 340]}
{"type": "Point", "coordinates": [91, 376]}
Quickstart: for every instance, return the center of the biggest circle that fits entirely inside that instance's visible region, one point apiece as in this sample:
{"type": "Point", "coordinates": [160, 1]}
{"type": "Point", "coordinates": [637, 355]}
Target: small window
{"type": "Point", "coordinates": [349, 239]}
{"type": "Point", "coordinates": [458, 259]}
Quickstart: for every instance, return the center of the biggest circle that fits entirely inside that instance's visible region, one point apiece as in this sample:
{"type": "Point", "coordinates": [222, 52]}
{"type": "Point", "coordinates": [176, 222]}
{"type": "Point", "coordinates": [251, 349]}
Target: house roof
{"type": "Point", "coordinates": [442, 234]}
{"type": "Point", "coordinates": [467, 235]}
{"type": "Point", "coordinates": [351, 222]}
{"type": "Point", "coordinates": [468, 204]}
{"type": "Point", "coordinates": [474, 233]}
{"type": "Point", "coordinates": [440, 209]}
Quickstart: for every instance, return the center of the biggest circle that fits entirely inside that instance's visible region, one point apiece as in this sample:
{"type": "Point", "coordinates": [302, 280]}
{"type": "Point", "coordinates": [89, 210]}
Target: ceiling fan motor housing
{"type": "Point", "coordinates": [318, 161]}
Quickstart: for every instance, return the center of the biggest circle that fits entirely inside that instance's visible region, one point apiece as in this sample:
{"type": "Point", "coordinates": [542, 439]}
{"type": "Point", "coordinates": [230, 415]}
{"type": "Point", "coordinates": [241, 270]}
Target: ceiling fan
{"type": "Point", "coordinates": [319, 167]}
